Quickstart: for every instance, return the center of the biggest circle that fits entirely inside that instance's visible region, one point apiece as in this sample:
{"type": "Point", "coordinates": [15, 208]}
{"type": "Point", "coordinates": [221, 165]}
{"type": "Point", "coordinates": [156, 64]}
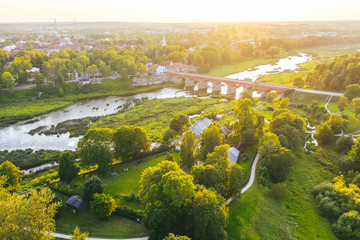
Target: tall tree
{"type": "Point", "coordinates": [91, 186]}
{"type": "Point", "coordinates": [12, 175]}
{"type": "Point", "coordinates": [210, 138]}
{"type": "Point", "coordinates": [8, 81]}
{"type": "Point", "coordinates": [67, 169]}
{"type": "Point", "coordinates": [187, 148]}
{"type": "Point", "coordinates": [179, 123]}
{"type": "Point", "coordinates": [355, 106]}
{"type": "Point", "coordinates": [343, 102]}
{"type": "Point", "coordinates": [130, 141]}
{"type": "Point", "coordinates": [352, 91]}
{"type": "Point", "coordinates": [324, 134]}
{"type": "Point", "coordinates": [29, 217]}
{"type": "Point", "coordinates": [99, 154]}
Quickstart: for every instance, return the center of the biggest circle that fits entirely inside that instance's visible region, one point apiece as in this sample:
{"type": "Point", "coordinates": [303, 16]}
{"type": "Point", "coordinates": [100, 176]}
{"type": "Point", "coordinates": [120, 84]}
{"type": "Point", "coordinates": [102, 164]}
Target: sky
{"type": "Point", "coordinates": [177, 10]}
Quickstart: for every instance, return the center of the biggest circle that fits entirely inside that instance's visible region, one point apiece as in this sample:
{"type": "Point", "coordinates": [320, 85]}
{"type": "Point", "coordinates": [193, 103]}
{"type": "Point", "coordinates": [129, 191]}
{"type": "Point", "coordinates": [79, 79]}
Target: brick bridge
{"type": "Point", "coordinates": [232, 84]}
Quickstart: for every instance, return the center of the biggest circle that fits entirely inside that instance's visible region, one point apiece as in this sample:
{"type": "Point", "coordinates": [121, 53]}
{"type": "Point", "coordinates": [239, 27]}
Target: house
{"type": "Point", "coordinates": [160, 69]}
{"type": "Point", "coordinates": [32, 72]}
{"type": "Point", "coordinates": [233, 155]}
{"type": "Point", "coordinates": [84, 78]}
{"type": "Point", "coordinates": [199, 126]}
{"type": "Point", "coordinates": [225, 130]}
{"type": "Point", "coordinates": [75, 202]}
{"type": "Point", "coordinates": [188, 68]}
{"type": "Point", "coordinates": [172, 67]}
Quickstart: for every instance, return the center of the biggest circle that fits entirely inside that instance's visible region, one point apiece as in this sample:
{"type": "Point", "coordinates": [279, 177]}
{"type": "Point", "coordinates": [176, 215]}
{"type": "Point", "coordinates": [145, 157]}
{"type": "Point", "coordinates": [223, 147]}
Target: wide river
{"type": "Point", "coordinates": [17, 137]}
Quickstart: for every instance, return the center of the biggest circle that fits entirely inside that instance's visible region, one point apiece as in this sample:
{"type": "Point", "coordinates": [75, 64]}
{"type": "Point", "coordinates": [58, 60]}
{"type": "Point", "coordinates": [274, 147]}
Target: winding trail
{"type": "Point", "coordinates": [328, 103]}
{"type": "Point", "coordinates": [251, 179]}
{"type": "Point", "coordinates": [64, 236]}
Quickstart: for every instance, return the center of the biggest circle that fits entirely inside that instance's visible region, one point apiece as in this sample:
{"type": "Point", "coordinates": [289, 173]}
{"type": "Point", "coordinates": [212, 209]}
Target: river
{"type": "Point", "coordinates": [17, 137]}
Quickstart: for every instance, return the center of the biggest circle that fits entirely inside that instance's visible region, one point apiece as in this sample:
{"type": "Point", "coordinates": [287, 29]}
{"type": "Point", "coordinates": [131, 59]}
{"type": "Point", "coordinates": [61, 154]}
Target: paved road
{"type": "Point", "coordinates": [252, 177]}
{"type": "Point", "coordinates": [93, 80]}
{"type": "Point", "coordinates": [319, 92]}
{"type": "Point", "coordinates": [64, 236]}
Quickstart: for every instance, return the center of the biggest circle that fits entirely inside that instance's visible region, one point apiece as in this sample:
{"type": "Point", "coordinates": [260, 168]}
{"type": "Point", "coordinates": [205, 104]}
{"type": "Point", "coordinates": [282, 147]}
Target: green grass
{"type": "Point", "coordinates": [257, 215]}
{"type": "Point", "coordinates": [32, 108]}
{"type": "Point", "coordinates": [114, 227]}
{"type": "Point", "coordinates": [224, 70]}
{"type": "Point", "coordinates": [353, 125]}
{"type": "Point", "coordinates": [155, 115]}
{"type": "Point", "coordinates": [16, 110]}
{"type": "Point", "coordinates": [288, 78]}
{"type": "Point", "coordinates": [128, 182]}
{"type": "Point", "coordinates": [326, 53]}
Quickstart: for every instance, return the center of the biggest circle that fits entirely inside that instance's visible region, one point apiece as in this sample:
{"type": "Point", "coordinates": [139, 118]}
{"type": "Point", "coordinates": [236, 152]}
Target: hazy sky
{"type": "Point", "coordinates": [177, 11]}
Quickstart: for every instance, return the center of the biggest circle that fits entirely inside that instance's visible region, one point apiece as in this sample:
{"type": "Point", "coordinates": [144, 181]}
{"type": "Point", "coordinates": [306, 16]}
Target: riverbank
{"type": "Point", "coordinates": [13, 112]}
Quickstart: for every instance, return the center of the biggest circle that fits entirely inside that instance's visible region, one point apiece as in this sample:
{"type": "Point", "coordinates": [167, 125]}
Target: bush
{"type": "Point", "coordinates": [280, 191]}
{"type": "Point", "coordinates": [348, 226]}
{"type": "Point", "coordinates": [344, 144]}
{"type": "Point", "coordinates": [129, 212]}
{"type": "Point", "coordinates": [91, 186]}
{"type": "Point", "coordinates": [270, 108]}
{"type": "Point", "coordinates": [102, 205]}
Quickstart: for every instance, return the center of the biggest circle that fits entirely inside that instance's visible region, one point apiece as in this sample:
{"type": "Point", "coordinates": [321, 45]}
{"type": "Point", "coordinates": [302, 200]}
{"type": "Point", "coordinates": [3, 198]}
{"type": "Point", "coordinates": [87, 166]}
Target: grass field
{"type": "Point", "coordinates": [128, 182]}
{"type": "Point", "coordinates": [326, 53]}
{"type": "Point", "coordinates": [155, 115]}
{"type": "Point", "coordinates": [114, 227]}
{"type": "Point", "coordinates": [258, 215]}
{"type": "Point", "coordinates": [29, 108]}
{"type": "Point", "coordinates": [224, 70]}
{"type": "Point", "coordinates": [288, 78]}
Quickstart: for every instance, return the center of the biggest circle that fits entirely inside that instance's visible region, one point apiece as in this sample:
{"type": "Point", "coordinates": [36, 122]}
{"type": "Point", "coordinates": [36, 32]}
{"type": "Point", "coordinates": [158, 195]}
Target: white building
{"type": "Point", "coordinates": [163, 42]}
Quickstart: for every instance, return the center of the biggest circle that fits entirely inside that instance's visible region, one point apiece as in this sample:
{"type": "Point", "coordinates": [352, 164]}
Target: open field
{"type": "Point", "coordinates": [258, 215]}
{"type": "Point", "coordinates": [326, 53]}
{"type": "Point", "coordinates": [224, 70]}
{"type": "Point", "coordinates": [155, 115]}
{"type": "Point", "coordinates": [113, 227]}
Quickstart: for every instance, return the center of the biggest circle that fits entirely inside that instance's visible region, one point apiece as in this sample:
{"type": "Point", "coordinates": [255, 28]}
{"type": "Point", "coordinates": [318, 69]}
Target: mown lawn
{"type": "Point", "coordinates": [128, 182]}
{"type": "Point", "coordinates": [258, 215]}
{"type": "Point", "coordinates": [113, 227]}
{"type": "Point", "coordinates": [224, 70]}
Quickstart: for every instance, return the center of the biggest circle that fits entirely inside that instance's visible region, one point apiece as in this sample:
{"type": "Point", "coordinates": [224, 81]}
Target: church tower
{"type": "Point", "coordinates": [163, 41]}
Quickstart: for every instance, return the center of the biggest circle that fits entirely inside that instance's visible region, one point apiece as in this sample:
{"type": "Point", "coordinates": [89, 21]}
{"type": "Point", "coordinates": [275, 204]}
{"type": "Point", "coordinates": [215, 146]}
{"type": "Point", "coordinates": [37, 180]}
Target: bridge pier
{"type": "Point", "coordinates": [176, 80]}
{"type": "Point", "coordinates": [216, 88]}
{"type": "Point", "coordinates": [231, 90]}
{"type": "Point", "coordinates": [263, 94]}
{"type": "Point", "coordinates": [202, 86]}
{"type": "Point", "coordinates": [189, 83]}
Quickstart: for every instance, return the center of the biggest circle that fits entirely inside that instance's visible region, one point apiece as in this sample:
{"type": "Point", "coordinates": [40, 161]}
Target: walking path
{"type": "Point", "coordinates": [252, 177]}
{"type": "Point", "coordinates": [327, 104]}
{"type": "Point", "coordinates": [64, 236]}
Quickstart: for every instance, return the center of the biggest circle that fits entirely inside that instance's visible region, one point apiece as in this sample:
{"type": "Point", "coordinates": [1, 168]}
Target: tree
{"type": "Point", "coordinates": [12, 175]}
{"type": "Point", "coordinates": [187, 148]}
{"type": "Point", "coordinates": [168, 136]}
{"type": "Point", "coordinates": [324, 135]}
{"type": "Point", "coordinates": [210, 215]}
{"type": "Point", "coordinates": [173, 204]}
{"type": "Point", "coordinates": [336, 123]}
{"type": "Point", "coordinates": [179, 123]}
{"type": "Point", "coordinates": [299, 82]}
{"type": "Point", "coordinates": [173, 237]}
{"type": "Point", "coordinates": [210, 176]}
{"type": "Point", "coordinates": [130, 141]}
{"type": "Point", "coordinates": [100, 154]}
{"type": "Point", "coordinates": [78, 235]}
{"type": "Point", "coordinates": [271, 96]}
{"type": "Point", "coordinates": [92, 70]}
{"type": "Point", "coordinates": [30, 217]}
{"type": "Point", "coordinates": [102, 205]}
{"type": "Point", "coordinates": [249, 124]}
{"type": "Point", "coordinates": [344, 144]}
{"type": "Point", "coordinates": [236, 178]}
{"type": "Point", "coordinates": [91, 186]}
{"type": "Point", "coordinates": [355, 106]}
{"type": "Point", "coordinates": [67, 169]}
{"type": "Point", "coordinates": [8, 81]}
{"type": "Point", "coordinates": [343, 102]}
{"type": "Point", "coordinates": [352, 91]}
{"type": "Point", "coordinates": [284, 103]}
{"type": "Point", "coordinates": [210, 138]}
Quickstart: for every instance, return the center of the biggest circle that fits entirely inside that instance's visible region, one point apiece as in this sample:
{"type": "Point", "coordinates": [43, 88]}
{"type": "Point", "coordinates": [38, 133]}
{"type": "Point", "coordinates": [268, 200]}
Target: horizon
{"type": "Point", "coordinates": [160, 11]}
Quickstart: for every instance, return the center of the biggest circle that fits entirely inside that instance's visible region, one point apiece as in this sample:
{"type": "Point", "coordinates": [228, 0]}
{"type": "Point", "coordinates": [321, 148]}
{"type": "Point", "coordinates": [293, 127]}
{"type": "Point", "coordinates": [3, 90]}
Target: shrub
{"type": "Point", "coordinates": [129, 212]}
{"type": "Point", "coordinates": [280, 191]}
{"type": "Point", "coordinates": [91, 186]}
{"type": "Point", "coordinates": [102, 205]}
